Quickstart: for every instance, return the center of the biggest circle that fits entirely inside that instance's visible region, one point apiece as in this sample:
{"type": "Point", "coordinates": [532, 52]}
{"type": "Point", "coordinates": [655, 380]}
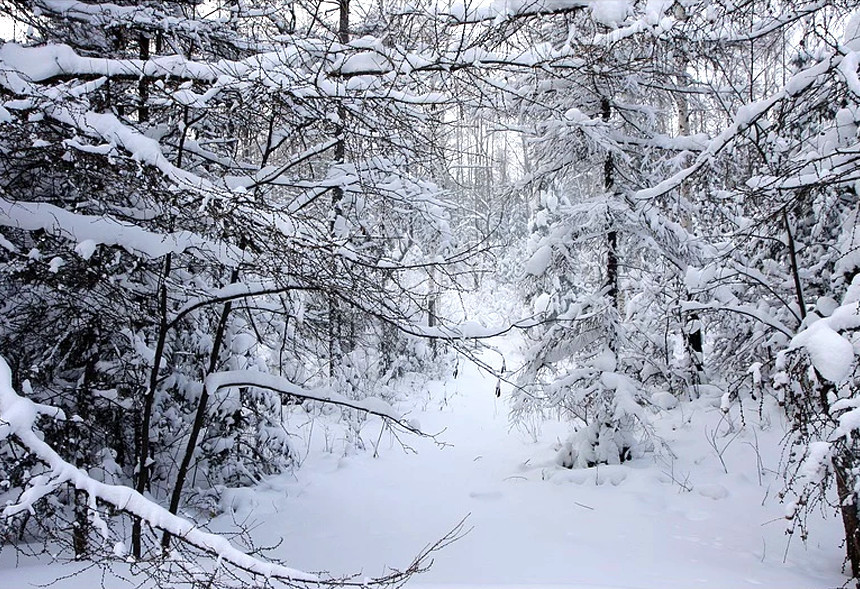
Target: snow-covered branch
{"type": "Point", "coordinates": [464, 12]}
{"type": "Point", "coordinates": [745, 117]}
{"type": "Point", "coordinates": [747, 310]}
{"type": "Point", "coordinates": [92, 230]}
{"type": "Point", "coordinates": [261, 380]}
{"type": "Point", "coordinates": [18, 419]}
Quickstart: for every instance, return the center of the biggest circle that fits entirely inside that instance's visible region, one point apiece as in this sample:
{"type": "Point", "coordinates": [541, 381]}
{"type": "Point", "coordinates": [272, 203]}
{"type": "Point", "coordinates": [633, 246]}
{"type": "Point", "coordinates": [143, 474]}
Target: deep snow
{"type": "Point", "coordinates": [534, 522]}
{"type": "Point", "coordinates": [658, 523]}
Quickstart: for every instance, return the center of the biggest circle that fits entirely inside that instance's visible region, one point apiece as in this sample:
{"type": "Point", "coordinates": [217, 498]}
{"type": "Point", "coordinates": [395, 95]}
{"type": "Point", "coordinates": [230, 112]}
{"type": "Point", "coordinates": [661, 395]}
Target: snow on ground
{"type": "Point", "coordinates": [708, 518]}
{"type": "Point", "coordinates": [659, 523]}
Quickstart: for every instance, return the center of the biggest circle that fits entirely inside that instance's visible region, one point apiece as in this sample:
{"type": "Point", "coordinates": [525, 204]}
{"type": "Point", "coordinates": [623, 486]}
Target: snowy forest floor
{"type": "Point", "coordinates": [707, 518]}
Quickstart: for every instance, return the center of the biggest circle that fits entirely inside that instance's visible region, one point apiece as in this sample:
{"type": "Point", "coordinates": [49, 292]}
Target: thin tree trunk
{"type": "Point", "coordinates": [148, 400]}
{"type": "Point", "coordinates": [432, 306]}
{"type": "Point", "coordinates": [848, 511]}
{"type": "Point", "coordinates": [84, 455]}
{"type": "Point", "coordinates": [692, 324]}
{"type": "Point", "coordinates": [143, 84]}
{"type": "Point", "coordinates": [200, 415]}
{"type": "Point", "coordinates": [612, 234]}
{"type": "Point", "coordinates": [795, 271]}
{"type": "Point", "coordinates": [336, 315]}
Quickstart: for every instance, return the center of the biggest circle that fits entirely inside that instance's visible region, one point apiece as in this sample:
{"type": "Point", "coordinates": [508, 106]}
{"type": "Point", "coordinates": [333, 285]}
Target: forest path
{"type": "Point", "coordinates": [533, 523]}
{"type": "Point", "coordinates": [697, 520]}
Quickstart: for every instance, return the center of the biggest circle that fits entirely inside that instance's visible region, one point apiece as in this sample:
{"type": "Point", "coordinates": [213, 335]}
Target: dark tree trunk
{"type": "Point", "coordinates": [842, 466]}
{"type": "Point", "coordinates": [143, 452]}
{"type": "Point", "coordinates": [612, 267]}
{"type": "Point", "coordinates": [432, 310]}
{"type": "Point", "coordinates": [795, 271]}
{"type": "Point", "coordinates": [83, 459]}
{"type": "Point", "coordinates": [693, 337]}
{"type": "Point", "coordinates": [200, 415]}
{"type": "Point", "coordinates": [611, 284]}
{"type": "Point", "coordinates": [143, 84]}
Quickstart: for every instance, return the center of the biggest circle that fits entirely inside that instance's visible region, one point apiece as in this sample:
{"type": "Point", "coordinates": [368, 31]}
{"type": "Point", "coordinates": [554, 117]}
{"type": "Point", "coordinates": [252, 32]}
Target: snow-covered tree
{"type": "Point", "coordinates": [187, 190]}
{"type": "Point", "coordinates": [593, 89]}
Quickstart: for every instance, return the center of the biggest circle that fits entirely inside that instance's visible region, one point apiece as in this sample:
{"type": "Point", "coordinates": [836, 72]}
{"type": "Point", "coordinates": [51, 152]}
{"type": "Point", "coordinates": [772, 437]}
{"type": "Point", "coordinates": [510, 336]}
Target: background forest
{"type": "Point", "coordinates": [216, 215]}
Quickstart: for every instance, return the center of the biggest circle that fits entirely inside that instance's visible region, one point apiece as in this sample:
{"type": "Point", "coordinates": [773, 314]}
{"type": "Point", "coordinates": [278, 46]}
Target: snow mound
{"type": "Point", "coordinates": [610, 13]}
{"type": "Point", "coordinates": [832, 355]}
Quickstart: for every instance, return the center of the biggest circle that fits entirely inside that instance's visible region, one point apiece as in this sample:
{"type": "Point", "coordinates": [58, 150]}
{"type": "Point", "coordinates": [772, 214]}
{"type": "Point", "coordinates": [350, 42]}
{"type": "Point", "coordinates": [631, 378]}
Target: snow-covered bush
{"type": "Point", "coordinates": [819, 384]}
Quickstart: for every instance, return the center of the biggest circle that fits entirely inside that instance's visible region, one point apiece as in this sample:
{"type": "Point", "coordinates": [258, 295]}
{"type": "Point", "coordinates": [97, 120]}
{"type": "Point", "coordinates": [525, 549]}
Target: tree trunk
{"type": "Point", "coordinates": [143, 84]}
{"type": "Point", "coordinates": [693, 335]}
{"type": "Point", "coordinates": [83, 459]}
{"type": "Point", "coordinates": [143, 452]}
{"type": "Point", "coordinates": [611, 284]}
{"type": "Point", "coordinates": [842, 466]}
{"type": "Point", "coordinates": [795, 271]}
{"type": "Point", "coordinates": [432, 310]}
{"type": "Point", "coordinates": [692, 327]}
{"type": "Point", "coordinates": [200, 415]}
{"type": "Point", "coordinates": [336, 316]}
